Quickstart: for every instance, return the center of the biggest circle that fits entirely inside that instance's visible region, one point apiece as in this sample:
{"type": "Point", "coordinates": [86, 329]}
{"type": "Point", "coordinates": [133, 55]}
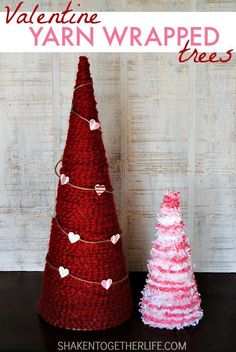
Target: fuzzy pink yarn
{"type": "Point", "coordinates": [170, 298]}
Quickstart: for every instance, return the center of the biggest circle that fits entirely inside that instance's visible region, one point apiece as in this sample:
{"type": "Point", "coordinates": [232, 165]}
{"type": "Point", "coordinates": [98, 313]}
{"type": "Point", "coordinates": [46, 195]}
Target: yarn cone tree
{"type": "Point", "coordinates": [85, 282]}
{"type": "Point", "coordinates": [170, 297]}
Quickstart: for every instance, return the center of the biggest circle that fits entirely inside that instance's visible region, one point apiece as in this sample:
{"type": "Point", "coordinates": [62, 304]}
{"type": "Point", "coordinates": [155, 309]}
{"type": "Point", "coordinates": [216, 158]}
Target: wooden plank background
{"type": "Point", "coordinates": [165, 125]}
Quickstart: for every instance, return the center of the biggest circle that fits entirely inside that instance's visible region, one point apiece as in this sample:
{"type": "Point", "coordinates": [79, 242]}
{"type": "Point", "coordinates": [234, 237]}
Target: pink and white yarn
{"type": "Point", "coordinates": [170, 298]}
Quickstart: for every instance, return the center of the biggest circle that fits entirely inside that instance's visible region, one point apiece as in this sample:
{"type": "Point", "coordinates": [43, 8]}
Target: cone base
{"type": "Point", "coordinates": [191, 323]}
{"type": "Point", "coordinates": [70, 304]}
{"type": "Point", "coordinates": [108, 326]}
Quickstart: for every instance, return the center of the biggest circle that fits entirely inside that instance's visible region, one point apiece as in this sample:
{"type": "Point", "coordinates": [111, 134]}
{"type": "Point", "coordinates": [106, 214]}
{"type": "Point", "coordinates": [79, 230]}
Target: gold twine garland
{"type": "Point", "coordinates": [80, 240]}
{"type": "Point", "coordinates": [73, 111]}
{"type": "Point", "coordinates": [82, 85]}
{"type": "Point", "coordinates": [83, 118]}
{"type": "Point", "coordinates": [78, 115]}
{"type": "Point", "coordinates": [77, 187]}
{"type": "Point", "coordinates": [86, 281]}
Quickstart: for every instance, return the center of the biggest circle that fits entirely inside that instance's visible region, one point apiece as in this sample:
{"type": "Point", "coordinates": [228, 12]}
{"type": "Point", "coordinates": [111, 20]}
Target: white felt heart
{"type": "Point", "coordinates": [100, 189]}
{"type": "Point", "coordinates": [64, 179]}
{"type": "Point", "coordinates": [115, 238]}
{"type": "Point", "coordinates": [73, 237]}
{"type": "Point", "coordinates": [106, 283]}
{"type": "Point", "coordinates": [94, 125]}
{"type": "Point", "coordinates": [63, 272]}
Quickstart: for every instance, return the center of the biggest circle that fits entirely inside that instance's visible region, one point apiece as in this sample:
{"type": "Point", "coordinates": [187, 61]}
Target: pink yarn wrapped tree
{"type": "Point", "coordinates": [170, 298]}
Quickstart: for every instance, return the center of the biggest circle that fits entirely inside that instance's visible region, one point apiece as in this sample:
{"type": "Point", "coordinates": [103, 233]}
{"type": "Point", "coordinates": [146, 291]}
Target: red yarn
{"type": "Point", "coordinates": [67, 302]}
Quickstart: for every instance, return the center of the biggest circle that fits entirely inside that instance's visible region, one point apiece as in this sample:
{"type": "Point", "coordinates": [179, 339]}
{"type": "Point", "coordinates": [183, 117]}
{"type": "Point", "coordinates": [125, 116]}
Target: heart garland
{"type": "Point", "coordinates": [94, 125]}
{"type": "Point", "coordinates": [63, 272]}
{"type": "Point", "coordinates": [106, 283]}
{"type": "Point", "coordinates": [100, 189]}
{"type": "Point", "coordinates": [73, 237]}
{"type": "Point", "coordinates": [64, 179]}
{"type": "Point", "coordinates": [115, 238]}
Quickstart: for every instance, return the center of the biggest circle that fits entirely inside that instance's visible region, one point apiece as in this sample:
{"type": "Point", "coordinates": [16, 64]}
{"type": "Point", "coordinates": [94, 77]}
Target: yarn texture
{"type": "Point", "coordinates": [65, 301]}
{"type": "Point", "coordinates": [170, 298]}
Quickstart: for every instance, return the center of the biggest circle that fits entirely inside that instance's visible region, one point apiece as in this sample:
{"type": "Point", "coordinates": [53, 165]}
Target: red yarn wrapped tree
{"type": "Point", "coordinates": [85, 282]}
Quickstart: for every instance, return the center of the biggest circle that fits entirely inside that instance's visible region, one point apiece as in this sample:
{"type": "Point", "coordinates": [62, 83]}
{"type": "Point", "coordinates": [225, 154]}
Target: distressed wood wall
{"type": "Point", "coordinates": [165, 125]}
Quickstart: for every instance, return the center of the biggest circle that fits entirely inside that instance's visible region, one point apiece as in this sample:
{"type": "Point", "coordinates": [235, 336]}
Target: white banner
{"type": "Point", "coordinates": [117, 32]}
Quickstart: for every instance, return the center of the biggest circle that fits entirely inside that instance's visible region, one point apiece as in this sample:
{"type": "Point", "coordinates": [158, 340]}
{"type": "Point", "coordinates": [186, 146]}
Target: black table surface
{"type": "Point", "coordinates": [21, 329]}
